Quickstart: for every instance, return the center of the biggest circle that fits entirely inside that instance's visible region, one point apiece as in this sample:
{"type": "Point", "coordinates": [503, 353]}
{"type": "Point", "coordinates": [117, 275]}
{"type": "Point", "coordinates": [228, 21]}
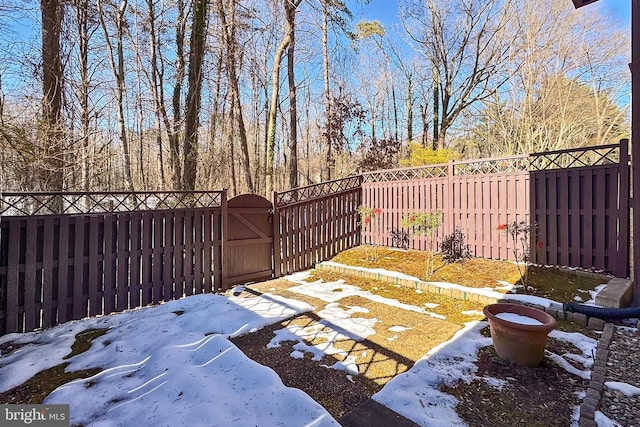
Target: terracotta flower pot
{"type": "Point", "coordinates": [519, 340]}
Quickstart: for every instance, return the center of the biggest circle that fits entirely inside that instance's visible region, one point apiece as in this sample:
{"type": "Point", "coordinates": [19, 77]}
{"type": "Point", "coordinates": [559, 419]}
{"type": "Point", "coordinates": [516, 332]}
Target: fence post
{"type": "Point", "coordinates": [276, 237]}
{"type": "Point", "coordinates": [223, 241]}
{"type": "Point", "coordinates": [448, 216]}
{"type": "Point", "coordinates": [623, 210]}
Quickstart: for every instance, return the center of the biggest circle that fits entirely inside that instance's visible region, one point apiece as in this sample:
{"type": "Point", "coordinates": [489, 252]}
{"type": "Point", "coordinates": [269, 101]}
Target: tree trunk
{"type": "Point", "coordinates": [144, 183]}
{"type": "Point", "coordinates": [51, 176]}
{"type": "Point", "coordinates": [293, 113]}
{"type": "Point", "coordinates": [231, 44]}
{"type": "Point", "coordinates": [154, 83]}
{"type": "Point", "coordinates": [425, 125]}
{"type": "Point", "coordinates": [174, 129]}
{"type": "Point", "coordinates": [232, 154]}
{"type": "Point", "coordinates": [273, 111]}
{"type": "Point", "coordinates": [396, 128]}
{"type": "Point", "coordinates": [327, 94]}
{"type": "Point", "coordinates": [436, 108]}
{"type": "Point", "coordinates": [273, 108]}
{"type": "Point", "coordinates": [118, 73]}
{"type": "Point", "coordinates": [409, 108]}
{"type": "Point", "coordinates": [172, 126]}
{"type": "Point", "coordinates": [82, 17]}
{"type": "Point", "coordinates": [194, 94]}
{"type": "Point", "coordinates": [212, 172]}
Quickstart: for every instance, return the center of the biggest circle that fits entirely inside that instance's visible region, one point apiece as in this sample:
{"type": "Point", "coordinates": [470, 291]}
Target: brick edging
{"type": "Point", "coordinates": [591, 401]}
{"type": "Point", "coordinates": [410, 283]}
{"type": "Point", "coordinates": [554, 310]}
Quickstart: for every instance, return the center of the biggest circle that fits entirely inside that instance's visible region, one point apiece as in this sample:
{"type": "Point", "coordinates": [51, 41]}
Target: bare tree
{"type": "Point", "coordinates": [194, 94]}
{"type": "Point", "coordinates": [52, 175]}
{"type": "Point", "coordinates": [290, 7]}
{"type": "Point", "coordinates": [85, 27]}
{"type": "Point", "coordinates": [565, 91]}
{"type": "Point", "coordinates": [375, 31]}
{"type": "Point", "coordinates": [334, 13]}
{"type": "Point", "coordinates": [227, 17]}
{"type": "Point", "coordinates": [292, 163]}
{"type": "Point", "coordinates": [155, 83]}
{"type": "Point", "coordinates": [327, 88]}
{"type": "Point", "coordinates": [116, 61]}
{"type": "Point", "coordinates": [468, 46]}
{"type": "Point", "coordinates": [174, 126]}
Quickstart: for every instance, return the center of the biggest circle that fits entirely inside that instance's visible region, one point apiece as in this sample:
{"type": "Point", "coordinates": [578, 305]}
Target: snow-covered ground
{"type": "Point", "coordinates": [174, 365]}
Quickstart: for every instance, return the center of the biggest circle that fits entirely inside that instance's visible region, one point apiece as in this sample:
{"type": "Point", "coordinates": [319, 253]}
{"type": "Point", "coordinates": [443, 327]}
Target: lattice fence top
{"type": "Point", "coordinates": [559, 159]}
{"type": "Point", "coordinates": [317, 190]}
{"type": "Point", "coordinates": [467, 167]}
{"type": "Point", "coordinates": [487, 166]}
{"type": "Point", "coordinates": [20, 204]}
{"type": "Point", "coordinates": [407, 174]}
{"type": "Point", "coordinates": [577, 157]}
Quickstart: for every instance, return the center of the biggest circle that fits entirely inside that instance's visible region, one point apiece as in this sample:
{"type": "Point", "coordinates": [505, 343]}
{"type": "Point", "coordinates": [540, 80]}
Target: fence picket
{"type": "Point", "coordinates": [30, 245]}
{"type": "Point", "coordinates": [122, 292]}
{"type": "Point", "coordinates": [49, 298]}
{"type": "Point", "coordinates": [188, 253]}
{"type": "Point", "coordinates": [600, 217]}
{"type": "Point", "coordinates": [94, 279]}
{"type": "Point", "coordinates": [146, 257]}
{"type": "Point", "coordinates": [168, 270]}
{"type": "Point", "coordinates": [110, 246]}
{"type": "Point", "coordinates": [80, 287]}
{"type": "Point", "coordinates": [180, 255]}
{"type": "Point", "coordinates": [65, 305]}
{"type": "Point", "coordinates": [135, 280]}
{"type": "Point", "coordinates": [562, 186]}
{"type": "Point", "coordinates": [13, 310]}
{"type": "Point", "coordinates": [208, 265]}
{"type": "Point", "coordinates": [198, 247]}
{"type": "Point", "coordinates": [157, 258]}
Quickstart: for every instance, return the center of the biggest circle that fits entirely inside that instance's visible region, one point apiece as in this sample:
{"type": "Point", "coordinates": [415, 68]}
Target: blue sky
{"type": "Point", "coordinates": [387, 10]}
{"type": "Point", "coordinates": [621, 9]}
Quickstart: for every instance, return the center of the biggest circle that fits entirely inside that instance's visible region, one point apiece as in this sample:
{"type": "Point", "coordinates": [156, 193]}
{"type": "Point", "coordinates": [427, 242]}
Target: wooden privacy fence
{"type": "Point", "coordinates": [578, 200]}
{"type": "Point", "coordinates": [580, 203]}
{"type": "Point", "coordinates": [315, 223]}
{"type": "Point", "coordinates": [104, 253]}
{"type": "Point", "coordinates": [475, 196]}
{"type": "Point", "coordinates": [66, 256]}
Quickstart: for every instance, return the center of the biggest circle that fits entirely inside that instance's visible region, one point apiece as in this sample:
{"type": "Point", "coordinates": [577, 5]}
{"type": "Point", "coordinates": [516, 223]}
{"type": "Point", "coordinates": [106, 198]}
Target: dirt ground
{"type": "Point", "coordinates": [380, 357]}
{"type": "Point", "coordinates": [542, 396]}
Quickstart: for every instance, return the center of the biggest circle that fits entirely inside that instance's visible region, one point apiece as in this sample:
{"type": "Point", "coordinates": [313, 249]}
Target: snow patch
{"type": "Point", "coordinates": [624, 388]}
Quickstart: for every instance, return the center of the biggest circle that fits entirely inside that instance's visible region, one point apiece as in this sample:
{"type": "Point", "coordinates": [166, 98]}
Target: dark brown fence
{"type": "Point", "coordinates": [580, 204]}
{"type": "Point", "coordinates": [578, 199]}
{"type": "Point", "coordinates": [66, 256]}
{"type": "Point", "coordinates": [315, 223]}
{"type": "Point", "coordinates": [475, 196]}
{"type": "Point", "coordinates": [56, 268]}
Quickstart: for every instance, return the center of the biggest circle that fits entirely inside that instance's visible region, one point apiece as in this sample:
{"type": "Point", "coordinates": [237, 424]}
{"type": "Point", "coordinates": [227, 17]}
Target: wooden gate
{"type": "Point", "coordinates": [249, 243]}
